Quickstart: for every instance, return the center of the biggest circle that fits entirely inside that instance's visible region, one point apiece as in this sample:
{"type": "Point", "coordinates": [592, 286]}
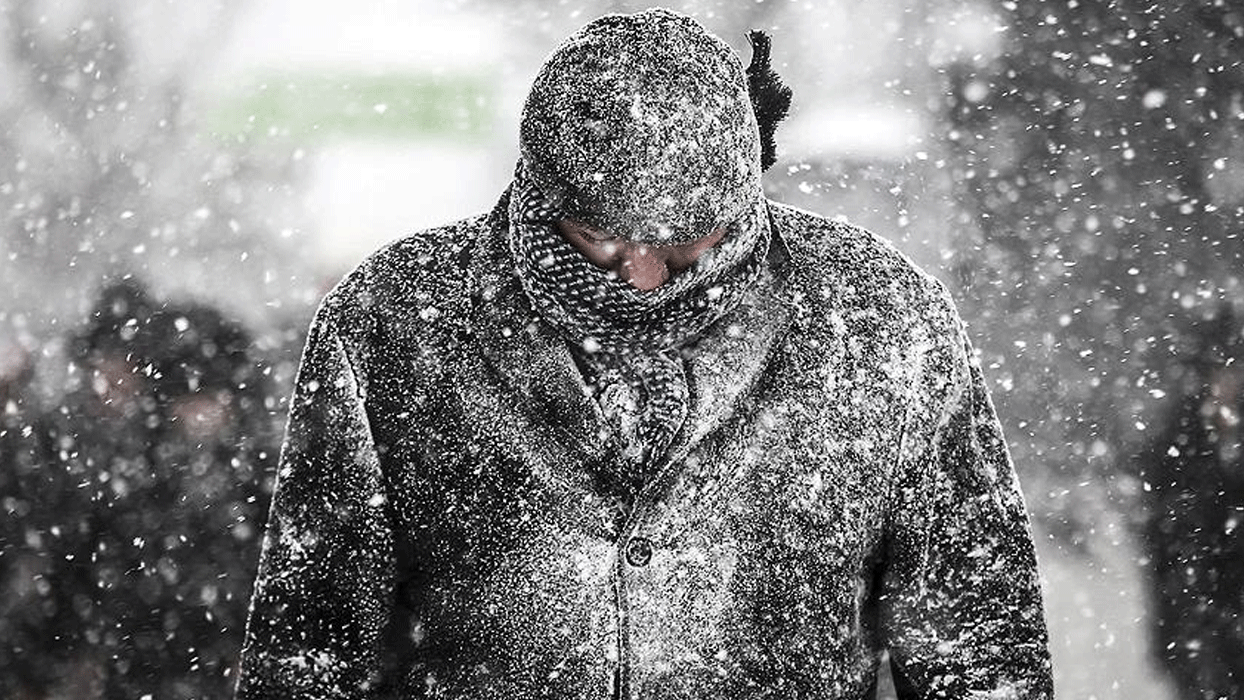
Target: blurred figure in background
{"type": "Point", "coordinates": [131, 510]}
{"type": "Point", "coordinates": [1194, 496]}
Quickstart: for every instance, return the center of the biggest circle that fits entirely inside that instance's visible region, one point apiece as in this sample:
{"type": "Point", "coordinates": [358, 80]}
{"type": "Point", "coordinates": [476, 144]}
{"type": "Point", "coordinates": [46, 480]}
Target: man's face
{"type": "Point", "coordinates": [643, 266]}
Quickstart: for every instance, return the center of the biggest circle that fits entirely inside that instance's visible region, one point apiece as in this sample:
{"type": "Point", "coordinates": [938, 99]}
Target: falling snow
{"type": "Point", "coordinates": [449, 520]}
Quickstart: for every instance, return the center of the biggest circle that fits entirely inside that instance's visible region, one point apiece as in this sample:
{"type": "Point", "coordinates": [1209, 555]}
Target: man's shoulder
{"type": "Point", "coordinates": [423, 275]}
{"type": "Point", "coordinates": [832, 250]}
{"type": "Point", "coordinates": [839, 267]}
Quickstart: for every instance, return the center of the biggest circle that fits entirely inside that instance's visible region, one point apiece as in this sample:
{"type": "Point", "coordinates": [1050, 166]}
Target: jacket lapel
{"type": "Point", "coordinates": [525, 353]}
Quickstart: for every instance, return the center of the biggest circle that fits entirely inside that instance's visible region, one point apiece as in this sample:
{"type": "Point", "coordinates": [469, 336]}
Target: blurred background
{"type": "Point", "coordinates": [181, 182]}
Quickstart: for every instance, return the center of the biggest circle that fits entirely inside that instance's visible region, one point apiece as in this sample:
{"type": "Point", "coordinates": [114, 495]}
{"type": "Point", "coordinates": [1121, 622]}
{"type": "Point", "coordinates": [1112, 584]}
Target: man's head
{"type": "Point", "coordinates": [641, 127]}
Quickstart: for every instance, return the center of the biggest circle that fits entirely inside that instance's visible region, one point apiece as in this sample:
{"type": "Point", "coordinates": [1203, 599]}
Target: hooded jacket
{"type": "Point", "coordinates": [447, 521]}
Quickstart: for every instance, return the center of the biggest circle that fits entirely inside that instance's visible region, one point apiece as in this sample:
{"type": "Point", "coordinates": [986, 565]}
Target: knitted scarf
{"type": "Point", "coordinates": [628, 342]}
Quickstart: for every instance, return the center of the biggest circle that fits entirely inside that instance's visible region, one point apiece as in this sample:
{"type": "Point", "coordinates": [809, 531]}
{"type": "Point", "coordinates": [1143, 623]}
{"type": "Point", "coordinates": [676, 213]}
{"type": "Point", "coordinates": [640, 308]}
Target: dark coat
{"type": "Point", "coordinates": [442, 528]}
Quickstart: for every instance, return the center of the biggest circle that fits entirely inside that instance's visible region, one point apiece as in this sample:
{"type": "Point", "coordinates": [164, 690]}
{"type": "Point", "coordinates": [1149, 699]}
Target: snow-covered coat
{"type": "Point", "coordinates": [841, 487]}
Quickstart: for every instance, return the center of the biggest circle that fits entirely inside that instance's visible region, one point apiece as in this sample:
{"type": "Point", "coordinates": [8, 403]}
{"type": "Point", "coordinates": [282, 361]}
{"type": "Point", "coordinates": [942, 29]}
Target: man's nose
{"type": "Point", "coordinates": [642, 268]}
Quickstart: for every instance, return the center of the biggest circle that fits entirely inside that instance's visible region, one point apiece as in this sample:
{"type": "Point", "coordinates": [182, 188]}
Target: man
{"type": "Point", "coordinates": [641, 433]}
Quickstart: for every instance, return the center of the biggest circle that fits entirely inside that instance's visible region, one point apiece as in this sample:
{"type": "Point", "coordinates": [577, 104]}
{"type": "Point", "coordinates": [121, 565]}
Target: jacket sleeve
{"type": "Point", "coordinates": [323, 592]}
{"type": "Point", "coordinates": [961, 607]}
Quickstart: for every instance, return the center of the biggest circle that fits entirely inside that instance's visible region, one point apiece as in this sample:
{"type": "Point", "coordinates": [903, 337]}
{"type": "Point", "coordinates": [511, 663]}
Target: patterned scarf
{"type": "Point", "coordinates": [627, 342]}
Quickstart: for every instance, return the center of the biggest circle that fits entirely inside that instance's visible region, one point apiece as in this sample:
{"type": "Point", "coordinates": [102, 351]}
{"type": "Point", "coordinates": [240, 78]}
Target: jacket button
{"type": "Point", "coordinates": [639, 551]}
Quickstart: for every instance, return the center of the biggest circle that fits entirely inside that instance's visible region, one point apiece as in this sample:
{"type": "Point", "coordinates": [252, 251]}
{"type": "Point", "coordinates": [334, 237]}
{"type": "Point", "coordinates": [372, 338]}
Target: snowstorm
{"type": "Point", "coordinates": [288, 359]}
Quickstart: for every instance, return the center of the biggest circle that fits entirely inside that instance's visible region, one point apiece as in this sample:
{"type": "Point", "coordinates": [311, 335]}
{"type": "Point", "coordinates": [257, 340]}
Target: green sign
{"type": "Point", "coordinates": [403, 106]}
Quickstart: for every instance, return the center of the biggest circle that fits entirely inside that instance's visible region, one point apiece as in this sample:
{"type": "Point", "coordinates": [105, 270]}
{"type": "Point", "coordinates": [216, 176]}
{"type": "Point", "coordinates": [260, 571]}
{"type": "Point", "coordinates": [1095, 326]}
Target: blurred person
{"type": "Point", "coordinates": [639, 432]}
{"type": "Point", "coordinates": [137, 531]}
{"type": "Point", "coordinates": [54, 623]}
{"type": "Point", "coordinates": [1193, 498]}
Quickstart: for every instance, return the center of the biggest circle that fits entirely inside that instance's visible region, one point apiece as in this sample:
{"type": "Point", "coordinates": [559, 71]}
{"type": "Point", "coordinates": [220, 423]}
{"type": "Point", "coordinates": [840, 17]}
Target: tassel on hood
{"type": "Point", "coordinates": [770, 96]}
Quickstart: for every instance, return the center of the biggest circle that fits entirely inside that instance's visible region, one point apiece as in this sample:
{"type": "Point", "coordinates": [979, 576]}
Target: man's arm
{"type": "Point", "coordinates": [961, 600]}
{"type": "Point", "coordinates": [324, 588]}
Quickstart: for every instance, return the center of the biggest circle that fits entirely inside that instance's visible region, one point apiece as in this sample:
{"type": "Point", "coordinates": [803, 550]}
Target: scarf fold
{"type": "Point", "coordinates": [628, 342]}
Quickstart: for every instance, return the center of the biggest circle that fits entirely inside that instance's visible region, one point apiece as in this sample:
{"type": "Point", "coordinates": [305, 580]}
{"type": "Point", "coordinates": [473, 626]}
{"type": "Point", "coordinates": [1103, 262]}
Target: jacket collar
{"type": "Point", "coordinates": [533, 361]}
